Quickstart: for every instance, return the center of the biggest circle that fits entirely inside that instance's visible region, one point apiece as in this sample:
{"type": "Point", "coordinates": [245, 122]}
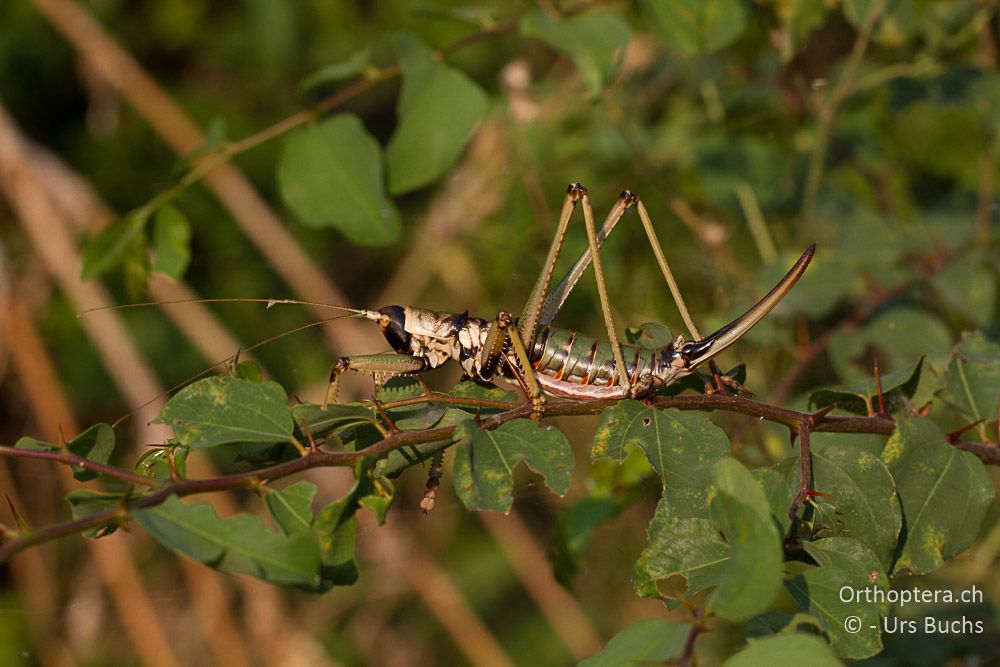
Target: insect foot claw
{"type": "Point", "coordinates": [430, 495]}
{"type": "Point", "coordinates": [577, 190]}
{"type": "Point", "coordinates": [537, 407]}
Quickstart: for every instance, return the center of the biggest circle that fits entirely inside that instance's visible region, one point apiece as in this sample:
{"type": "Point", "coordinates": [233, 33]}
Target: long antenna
{"type": "Point", "coordinates": [271, 303]}
{"type": "Point", "coordinates": [236, 354]}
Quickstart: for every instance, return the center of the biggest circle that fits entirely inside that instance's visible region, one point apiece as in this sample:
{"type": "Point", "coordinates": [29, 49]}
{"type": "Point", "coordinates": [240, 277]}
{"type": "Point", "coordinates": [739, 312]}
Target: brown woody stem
{"type": "Point", "coordinates": [800, 422]}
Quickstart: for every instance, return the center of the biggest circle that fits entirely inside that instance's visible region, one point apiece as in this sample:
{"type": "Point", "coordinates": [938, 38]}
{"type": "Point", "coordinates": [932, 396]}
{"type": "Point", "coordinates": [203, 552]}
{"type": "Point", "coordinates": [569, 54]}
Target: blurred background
{"type": "Point", "coordinates": [869, 128]}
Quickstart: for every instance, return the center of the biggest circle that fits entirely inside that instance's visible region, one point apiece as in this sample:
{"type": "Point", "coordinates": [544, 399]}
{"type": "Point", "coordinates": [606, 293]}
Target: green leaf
{"type": "Point", "coordinates": [654, 640]}
{"type": "Point", "coordinates": [948, 133]}
{"type": "Point", "coordinates": [247, 370]}
{"type": "Point", "coordinates": [681, 446]}
{"type": "Point", "coordinates": [595, 41]}
{"type": "Point", "coordinates": [330, 175]}
{"type": "Point", "coordinates": [224, 410]}
{"type": "Point", "coordinates": [438, 109]}
{"type": "Point", "coordinates": [849, 555]}
{"type": "Point", "coordinates": [800, 18]}
{"type": "Point", "coordinates": [898, 21]}
{"type": "Point", "coordinates": [171, 242]}
{"type": "Point", "coordinates": [378, 498]}
{"type": "Point", "coordinates": [155, 462]}
{"type": "Point", "coordinates": [574, 532]}
{"type": "Point", "coordinates": [319, 421]}
{"type": "Point", "coordinates": [405, 457]}
{"type": "Point", "coordinates": [785, 649]}
{"type": "Point", "coordinates": [969, 284]}
{"type": "Point", "coordinates": [33, 444]}
{"type": "Point", "coordinates": [417, 63]}
{"type": "Point", "coordinates": [731, 476]}
{"type": "Point", "coordinates": [973, 378]}
{"type": "Point", "coordinates": [695, 27]}
{"type": "Point", "coordinates": [240, 544]}
{"type": "Point", "coordinates": [485, 460]}
{"type": "Point", "coordinates": [649, 335]}
{"type": "Point", "coordinates": [862, 398]}
{"type": "Point", "coordinates": [416, 417]}
{"type": "Point", "coordinates": [771, 622]}
{"type": "Point", "coordinates": [479, 390]}
{"type": "Point", "coordinates": [84, 503]}
{"type": "Point", "coordinates": [862, 502]}
{"type": "Point", "coordinates": [751, 577]}
{"type": "Point", "coordinates": [136, 267]}
{"type": "Point", "coordinates": [844, 565]}
{"type": "Point", "coordinates": [684, 556]}
{"type": "Point", "coordinates": [336, 529]}
{"type": "Point", "coordinates": [903, 335]}
{"type": "Point", "coordinates": [97, 444]}
{"type": "Point", "coordinates": [945, 493]}
{"type": "Point", "coordinates": [351, 66]}
{"type": "Point", "coordinates": [780, 483]}
{"type": "Point", "coordinates": [291, 507]}
{"type": "Point", "coordinates": [476, 17]}
{"type": "Point", "coordinates": [818, 590]}
{"type": "Point", "coordinates": [108, 248]}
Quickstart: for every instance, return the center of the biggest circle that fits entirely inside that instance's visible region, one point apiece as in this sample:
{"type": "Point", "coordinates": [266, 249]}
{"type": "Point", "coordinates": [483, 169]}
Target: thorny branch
{"type": "Point", "coordinates": [800, 423]}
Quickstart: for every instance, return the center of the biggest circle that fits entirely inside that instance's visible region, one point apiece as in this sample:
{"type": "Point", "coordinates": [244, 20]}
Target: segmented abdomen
{"type": "Point", "coordinates": [565, 356]}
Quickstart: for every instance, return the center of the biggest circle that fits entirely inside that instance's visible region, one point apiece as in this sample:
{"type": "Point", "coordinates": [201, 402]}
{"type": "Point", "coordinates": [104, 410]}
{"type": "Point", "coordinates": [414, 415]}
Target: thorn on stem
{"type": "Point", "coordinates": [313, 447]}
{"type": "Point", "coordinates": [954, 436]}
{"type": "Point", "coordinates": [170, 465]}
{"type": "Point", "coordinates": [817, 417]}
{"type": "Point", "coordinates": [18, 519]}
{"type": "Point", "coordinates": [882, 412]}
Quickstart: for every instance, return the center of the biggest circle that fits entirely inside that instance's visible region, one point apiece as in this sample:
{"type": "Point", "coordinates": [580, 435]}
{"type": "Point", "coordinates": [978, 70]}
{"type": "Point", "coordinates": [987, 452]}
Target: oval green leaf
{"type": "Point", "coordinates": [225, 410]}
{"type": "Point", "coordinates": [695, 27]}
{"type": "Point", "coordinates": [438, 120]}
{"type": "Point", "coordinates": [862, 398]}
{"type": "Point", "coordinates": [108, 248]}
{"type": "Point", "coordinates": [240, 544]}
{"type": "Point", "coordinates": [595, 42]}
{"type": "Point", "coordinates": [485, 460]}
{"type": "Point", "coordinates": [330, 175]}
{"type": "Point", "coordinates": [972, 381]}
{"type": "Point", "coordinates": [684, 556]}
{"type": "Point", "coordinates": [291, 507]}
{"type": "Point", "coordinates": [351, 66]}
{"type": "Point", "coordinates": [841, 587]}
{"type": "Point", "coordinates": [785, 649]}
{"type": "Point", "coordinates": [654, 640]}
{"type": "Point", "coordinates": [945, 494]}
{"type": "Point", "coordinates": [171, 242]}
{"type": "Point", "coordinates": [751, 577]}
{"type": "Point", "coordinates": [681, 446]}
